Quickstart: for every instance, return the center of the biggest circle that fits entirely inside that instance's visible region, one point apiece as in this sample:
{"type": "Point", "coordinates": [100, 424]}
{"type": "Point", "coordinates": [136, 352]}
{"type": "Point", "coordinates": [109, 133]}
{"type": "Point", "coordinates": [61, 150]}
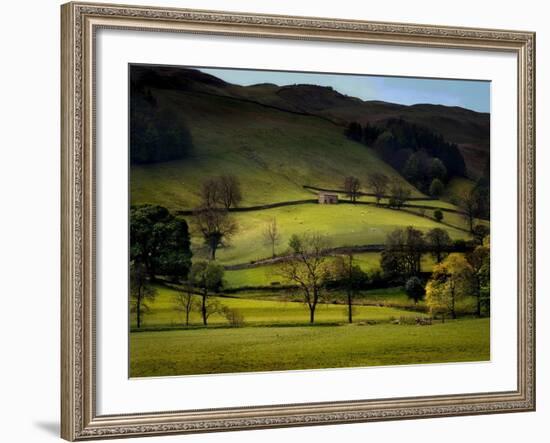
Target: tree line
{"type": "Point", "coordinates": [313, 270]}
{"type": "Point", "coordinates": [420, 155]}
{"type": "Point", "coordinates": [156, 133]}
{"type": "Point", "coordinates": [160, 245]}
{"type": "Point", "coordinates": [425, 159]}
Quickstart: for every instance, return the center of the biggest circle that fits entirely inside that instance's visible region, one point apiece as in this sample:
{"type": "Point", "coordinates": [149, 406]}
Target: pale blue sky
{"type": "Point", "coordinates": [471, 94]}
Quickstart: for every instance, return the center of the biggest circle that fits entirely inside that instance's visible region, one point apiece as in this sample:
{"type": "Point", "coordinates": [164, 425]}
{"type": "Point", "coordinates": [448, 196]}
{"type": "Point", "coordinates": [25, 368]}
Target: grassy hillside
{"type": "Point", "coordinates": [469, 129]}
{"type": "Point", "coordinates": [213, 351]}
{"type": "Point", "coordinates": [273, 153]}
{"type": "Point", "coordinates": [344, 225]}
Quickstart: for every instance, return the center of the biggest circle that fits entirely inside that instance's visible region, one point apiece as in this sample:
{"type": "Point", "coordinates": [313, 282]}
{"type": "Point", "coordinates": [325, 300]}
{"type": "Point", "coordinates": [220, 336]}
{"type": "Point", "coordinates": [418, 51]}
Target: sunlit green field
{"type": "Point", "coordinates": [163, 312]}
{"type": "Point", "coordinates": [267, 275]}
{"type": "Point", "coordinates": [344, 225]}
{"type": "Point", "coordinates": [222, 350]}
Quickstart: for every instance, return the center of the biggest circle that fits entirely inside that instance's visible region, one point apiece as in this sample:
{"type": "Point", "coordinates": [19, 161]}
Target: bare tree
{"type": "Point", "coordinates": [215, 225]}
{"type": "Point", "coordinates": [185, 301]}
{"type": "Point", "coordinates": [229, 191]}
{"type": "Point", "coordinates": [399, 195]}
{"type": "Point", "coordinates": [207, 277]}
{"type": "Point", "coordinates": [378, 182]}
{"type": "Point", "coordinates": [351, 187]}
{"type": "Point", "coordinates": [468, 203]}
{"type": "Point", "coordinates": [402, 254]}
{"type": "Point", "coordinates": [272, 234]}
{"type": "Point", "coordinates": [210, 193]}
{"type": "Point", "coordinates": [346, 273]}
{"type": "Point", "coordinates": [307, 268]}
{"type": "Point", "coordinates": [141, 290]}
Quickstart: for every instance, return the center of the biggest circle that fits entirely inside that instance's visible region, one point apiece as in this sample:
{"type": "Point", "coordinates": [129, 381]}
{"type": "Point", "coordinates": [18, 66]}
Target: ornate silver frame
{"type": "Point", "coordinates": [80, 21]}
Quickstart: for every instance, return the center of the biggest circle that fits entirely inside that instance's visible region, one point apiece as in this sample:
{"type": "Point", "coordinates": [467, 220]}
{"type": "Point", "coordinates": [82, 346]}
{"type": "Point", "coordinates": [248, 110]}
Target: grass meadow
{"type": "Point", "coordinates": [262, 309]}
{"type": "Point", "coordinates": [166, 353]}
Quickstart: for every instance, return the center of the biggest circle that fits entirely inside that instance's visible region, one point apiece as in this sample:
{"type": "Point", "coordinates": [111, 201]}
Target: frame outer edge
{"type": "Point", "coordinates": [68, 401]}
{"type": "Point", "coordinates": [78, 420]}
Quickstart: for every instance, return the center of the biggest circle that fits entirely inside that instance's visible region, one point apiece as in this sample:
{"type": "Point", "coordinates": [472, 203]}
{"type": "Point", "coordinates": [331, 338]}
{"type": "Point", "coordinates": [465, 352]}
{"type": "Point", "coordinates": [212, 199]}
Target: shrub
{"type": "Point", "coordinates": [436, 187]}
{"type": "Point", "coordinates": [438, 215]}
{"type": "Point", "coordinates": [407, 320]}
{"type": "Point", "coordinates": [414, 289]}
{"type": "Point", "coordinates": [233, 316]}
{"type": "Point", "coordinates": [460, 245]}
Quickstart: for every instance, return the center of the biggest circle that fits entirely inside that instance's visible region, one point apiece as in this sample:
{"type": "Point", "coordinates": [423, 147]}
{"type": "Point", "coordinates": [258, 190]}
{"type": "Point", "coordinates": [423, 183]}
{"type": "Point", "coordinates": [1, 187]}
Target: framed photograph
{"type": "Point", "coordinates": [277, 221]}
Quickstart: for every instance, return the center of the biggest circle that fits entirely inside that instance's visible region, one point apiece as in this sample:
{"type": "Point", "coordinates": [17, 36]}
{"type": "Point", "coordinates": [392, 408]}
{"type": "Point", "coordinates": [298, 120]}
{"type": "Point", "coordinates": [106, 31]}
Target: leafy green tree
{"type": "Point", "coordinates": [438, 215]}
{"type": "Point", "coordinates": [207, 277]}
{"type": "Point", "coordinates": [416, 168]}
{"type": "Point", "coordinates": [451, 280]}
{"type": "Point", "coordinates": [438, 243]}
{"type": "Point", "coordinates": [479, 261]}
{"type": "Point", "coordinates": [159, 241]}
{"type": "Point", "coordinates": [479, 233]}
{"type": "Point", "coordinates": [295, 243]}
{"type": "Point", "coordinates": [436, 187]}
{"type": "Point", "coordinates": [437, 170]}
{"type": "Point", "coordinates": [415, 289]}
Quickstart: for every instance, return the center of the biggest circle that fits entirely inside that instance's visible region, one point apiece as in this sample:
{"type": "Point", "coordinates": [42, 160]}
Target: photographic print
{"type": "Point", "coordinates": [292, 220]}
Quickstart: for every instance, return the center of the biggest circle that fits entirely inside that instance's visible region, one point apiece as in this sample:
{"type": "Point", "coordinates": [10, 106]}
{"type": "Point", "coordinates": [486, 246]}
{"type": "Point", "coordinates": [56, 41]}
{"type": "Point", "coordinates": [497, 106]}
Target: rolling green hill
{"type": "Point", "coordinates": [273, 153]}
{"type": "Point", "coordinates": [343, 224]}
{"type": "Point", "coordinates": [470, 130]}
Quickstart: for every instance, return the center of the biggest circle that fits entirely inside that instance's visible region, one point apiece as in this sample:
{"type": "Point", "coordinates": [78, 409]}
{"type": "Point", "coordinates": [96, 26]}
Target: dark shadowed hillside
{"type": "Point", "coordinates": [469, 130]}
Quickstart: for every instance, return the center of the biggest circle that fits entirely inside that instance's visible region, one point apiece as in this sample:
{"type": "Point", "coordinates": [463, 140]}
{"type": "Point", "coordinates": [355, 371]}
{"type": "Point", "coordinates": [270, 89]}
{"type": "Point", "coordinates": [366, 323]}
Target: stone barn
{"type": "Point", "coordinates": [327, 198]}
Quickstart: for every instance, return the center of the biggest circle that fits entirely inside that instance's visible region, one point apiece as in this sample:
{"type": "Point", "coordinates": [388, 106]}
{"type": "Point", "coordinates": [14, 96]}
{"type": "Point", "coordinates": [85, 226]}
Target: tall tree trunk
{"type": "Point", "coordinates": [453, 310]}
{"type": "Point", "coordinates": [204, 320]}
{"type": "Point", "coordinates": [478, 294]}
{"type": "Point", "coordinates": [312, 314]}
{"type": "Point", "coordinates": [138, 307]}
{"type": "Point", "coordinates": [350, 319]}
